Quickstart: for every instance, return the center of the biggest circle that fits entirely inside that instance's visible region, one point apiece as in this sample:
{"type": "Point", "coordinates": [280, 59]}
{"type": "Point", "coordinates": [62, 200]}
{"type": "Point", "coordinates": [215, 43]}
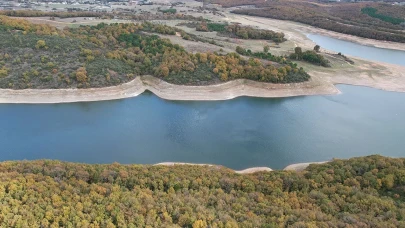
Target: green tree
{"type": "Point", "coordinates": [266, 48]}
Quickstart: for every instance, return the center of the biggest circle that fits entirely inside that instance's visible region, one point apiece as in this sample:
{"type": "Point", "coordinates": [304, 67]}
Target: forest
{"type": "Point", "coordinates": [359, 192]}
{"type": "Point", "coordinates": [348, 18]}
{"type": "Point", "coordinates": [42, 56]}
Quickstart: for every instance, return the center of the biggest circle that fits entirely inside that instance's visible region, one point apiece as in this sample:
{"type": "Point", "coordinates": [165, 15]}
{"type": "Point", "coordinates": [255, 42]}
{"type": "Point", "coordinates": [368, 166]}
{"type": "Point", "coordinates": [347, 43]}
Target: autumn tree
{"type": "Point", "coordinates": [40, 44]}
{"type": "Point", "coordinates": [81, 74]}
{"type": "Point", "coordinates": [3, 72]}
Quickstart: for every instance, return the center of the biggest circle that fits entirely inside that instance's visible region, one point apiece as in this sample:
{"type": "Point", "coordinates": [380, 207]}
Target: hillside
{"type": "Point", "coordinates": [360, 192]}
{"type": "Point", "coordinates": [380, 21]}
{"type": "Point", "coordinates": [40, 56]}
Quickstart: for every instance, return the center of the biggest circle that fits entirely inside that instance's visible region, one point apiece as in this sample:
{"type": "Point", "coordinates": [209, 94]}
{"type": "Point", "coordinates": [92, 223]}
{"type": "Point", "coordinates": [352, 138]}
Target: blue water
{"type": "Point", "coordinates": [238, 133]}
{"type": "Point", "coordinates": [358, 50]}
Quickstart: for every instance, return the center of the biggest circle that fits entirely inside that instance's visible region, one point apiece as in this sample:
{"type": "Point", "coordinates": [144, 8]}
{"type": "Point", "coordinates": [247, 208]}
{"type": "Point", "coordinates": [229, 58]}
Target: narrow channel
{"type": "Point", "coordinates": [239, 133]}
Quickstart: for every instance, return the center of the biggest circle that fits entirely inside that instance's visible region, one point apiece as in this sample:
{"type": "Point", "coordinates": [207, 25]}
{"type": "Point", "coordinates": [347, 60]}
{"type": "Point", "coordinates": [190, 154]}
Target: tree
{"type": "Point", "coordinates": [317, 48]}
{"type": "Point", "coordinates": [40, 44]}
{"type": "Point", "coordinates": [164, 71]}
{"type": "Point", "coordinates": [81, 74]}
{"type": "Point", "coordinates": [199, 224]}
{"type": "Point", "coordinates": [266, 48]}
{"type": "Point", "coordinates": [298, 51]}
{"type": "Point", "coordinates": [3, 72]}
{"type": "Point", "coordinates": [240, 50]}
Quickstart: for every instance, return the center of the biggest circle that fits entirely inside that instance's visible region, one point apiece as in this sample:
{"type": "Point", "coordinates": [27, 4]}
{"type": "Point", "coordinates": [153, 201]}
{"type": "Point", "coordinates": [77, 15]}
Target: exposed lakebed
{"type": "Point", "coordinates": [238, 133]}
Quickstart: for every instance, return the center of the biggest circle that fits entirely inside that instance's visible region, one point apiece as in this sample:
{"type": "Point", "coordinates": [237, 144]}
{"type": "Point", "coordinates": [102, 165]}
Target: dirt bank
{"type": "Point", "coordinates": [167, 91]}
{"type": "Point", "coordinates": [301, 166]}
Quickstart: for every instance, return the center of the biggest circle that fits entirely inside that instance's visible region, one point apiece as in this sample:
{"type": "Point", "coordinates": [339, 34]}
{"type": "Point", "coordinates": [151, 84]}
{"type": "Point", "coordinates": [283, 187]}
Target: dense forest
{"type": "Point", "coordinates": [348, 18]}
{"type": "Point", "coordinates": [360, 192]}
{"type": "Point", "coordinates": [41, 56]}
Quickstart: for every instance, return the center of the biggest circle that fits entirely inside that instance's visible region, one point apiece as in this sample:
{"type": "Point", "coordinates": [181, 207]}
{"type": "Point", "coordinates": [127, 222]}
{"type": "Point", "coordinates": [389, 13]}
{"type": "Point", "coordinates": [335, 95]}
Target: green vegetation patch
{"type": "Point", "coordinates": [171, 11]}
{"type": "Point", "coordinates": [372, 12]}
{"type": "Point", "coordinates": [310, 57]}
{"type": "Point", "coordinates": [218, 27]}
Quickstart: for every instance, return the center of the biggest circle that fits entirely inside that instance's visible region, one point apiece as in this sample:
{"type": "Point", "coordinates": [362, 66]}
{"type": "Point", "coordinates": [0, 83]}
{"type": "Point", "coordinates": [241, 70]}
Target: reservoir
{"type": "Point", "coordinates": [358, 50]}
{"type": "Point", "coordinates": [239, 133]}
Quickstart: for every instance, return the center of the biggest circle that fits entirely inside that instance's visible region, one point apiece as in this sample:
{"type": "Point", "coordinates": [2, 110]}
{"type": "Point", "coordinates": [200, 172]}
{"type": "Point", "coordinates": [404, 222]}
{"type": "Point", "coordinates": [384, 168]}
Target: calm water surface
{"type": "Point", "coordinates": [239, 133]}
{"type": "Point", "coordinates": [358, 50]}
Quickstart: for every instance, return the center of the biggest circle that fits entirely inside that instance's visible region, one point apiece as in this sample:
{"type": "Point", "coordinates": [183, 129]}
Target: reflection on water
{"type": "Point", "coordinates": [238, 133]}
{"type": "Point", "coordinates": [358, 50]}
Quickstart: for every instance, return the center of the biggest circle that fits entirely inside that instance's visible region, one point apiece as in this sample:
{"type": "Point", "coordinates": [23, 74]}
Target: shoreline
{"type": "Point", "coordinates": [321, 83]}
{"type": "Point", "coordinates": [167, 91]}
{"type": "Point", "coordinates": [298, 167]}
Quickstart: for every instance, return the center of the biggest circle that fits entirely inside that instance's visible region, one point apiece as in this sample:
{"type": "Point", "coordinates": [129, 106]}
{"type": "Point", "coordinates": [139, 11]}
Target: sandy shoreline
{"type": "Point", "coordinates": [302, 166]}
{"type": "Point", "coordinates": [293, 167]}
{"type": "Point", "coordinates": [224, 91]}
{"type": "Point", "coordinates": [245, 171]}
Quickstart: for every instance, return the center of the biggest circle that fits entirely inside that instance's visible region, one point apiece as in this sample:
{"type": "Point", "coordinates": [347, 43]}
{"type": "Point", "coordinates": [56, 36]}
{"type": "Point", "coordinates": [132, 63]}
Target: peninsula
{"type": "Point", "coordinates": [53, 63]}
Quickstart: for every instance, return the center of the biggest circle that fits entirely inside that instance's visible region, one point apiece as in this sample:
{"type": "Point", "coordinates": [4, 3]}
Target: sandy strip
{"type": "Point", "coordinates": [293, 167]}
{"type": "Point", "coordinates": [301, 166]}
{"type": "Point", "coordinates": [167, 91]}
{"type": "Point", "coordinates": [245, 171]}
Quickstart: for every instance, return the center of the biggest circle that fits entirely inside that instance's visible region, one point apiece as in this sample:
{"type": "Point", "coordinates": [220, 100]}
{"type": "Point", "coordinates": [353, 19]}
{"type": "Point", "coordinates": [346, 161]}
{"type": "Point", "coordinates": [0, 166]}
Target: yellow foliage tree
{"type": "Point", "coordinates": [81, 74]}
{"type": "Point", "coordinates": [40, 44]}
{"type": "Point", "coordinates": [199, 224]}
{"type": "Point", "coordinates": [3, 72]}
{"type": "Point", "coordinates": [224, 77]}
